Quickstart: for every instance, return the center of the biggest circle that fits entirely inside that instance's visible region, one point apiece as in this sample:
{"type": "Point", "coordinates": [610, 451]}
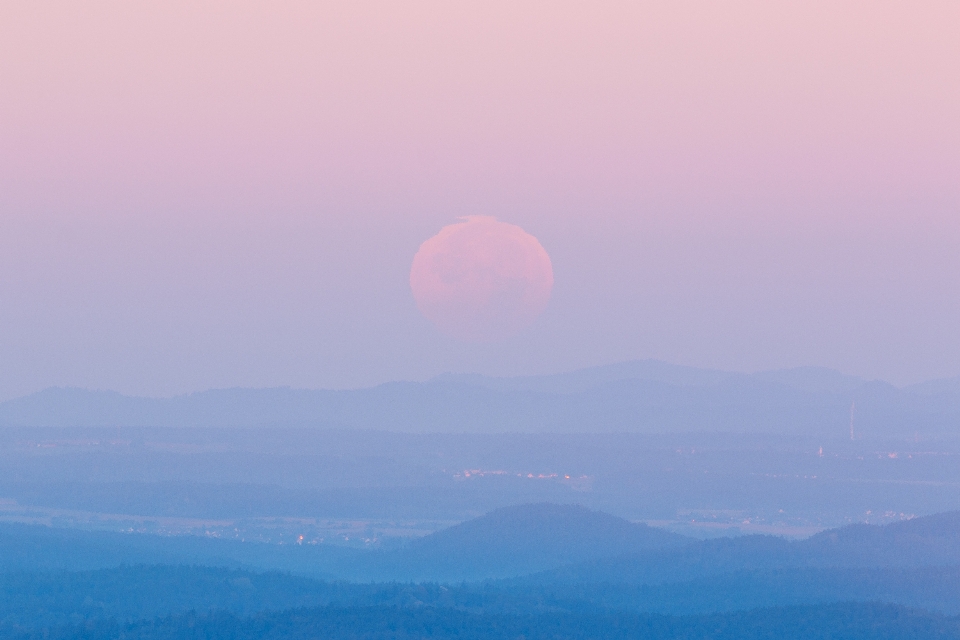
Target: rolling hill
{"type": "Point", "coordinates": [929, 541]}
{"type": "Point", "coordinates": [513, 541]}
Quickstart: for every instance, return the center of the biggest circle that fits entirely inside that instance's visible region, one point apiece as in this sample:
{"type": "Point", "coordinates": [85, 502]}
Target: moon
{"type": "Point", "coordinates": [481, 280]}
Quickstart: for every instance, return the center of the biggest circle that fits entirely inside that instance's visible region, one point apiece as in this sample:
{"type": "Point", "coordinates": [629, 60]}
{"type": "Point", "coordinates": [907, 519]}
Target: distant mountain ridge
{"type": "Point", "coordinates": [644, 396]}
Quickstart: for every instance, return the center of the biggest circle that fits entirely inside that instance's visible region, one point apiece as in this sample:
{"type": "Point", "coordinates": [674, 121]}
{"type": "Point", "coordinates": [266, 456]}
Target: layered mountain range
{"type": "Point", "coordinates": [565, 562]}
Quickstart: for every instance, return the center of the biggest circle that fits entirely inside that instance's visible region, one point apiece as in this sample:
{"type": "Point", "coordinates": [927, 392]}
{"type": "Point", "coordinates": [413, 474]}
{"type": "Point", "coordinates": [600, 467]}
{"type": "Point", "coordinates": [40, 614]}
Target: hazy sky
{"type": "Point", "coordinates": [198, 194]}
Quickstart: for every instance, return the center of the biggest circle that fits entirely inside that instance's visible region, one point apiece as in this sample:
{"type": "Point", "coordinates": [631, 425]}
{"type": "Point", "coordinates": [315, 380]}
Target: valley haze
{"type": "Point", "coordinates": [639, 499]}
{"type": "Point", "coordinates": [241, 242]}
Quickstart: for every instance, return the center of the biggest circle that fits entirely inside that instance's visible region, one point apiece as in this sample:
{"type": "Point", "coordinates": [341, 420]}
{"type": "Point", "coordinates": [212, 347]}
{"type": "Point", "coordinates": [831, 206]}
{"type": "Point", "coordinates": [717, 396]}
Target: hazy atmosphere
{"type": "Point", "coordinates": [479, 320]}
{"type": "Point", "coordinates": [206, 195]}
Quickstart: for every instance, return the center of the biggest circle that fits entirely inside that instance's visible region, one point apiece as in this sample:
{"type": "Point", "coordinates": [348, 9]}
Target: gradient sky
{"type": "Point", "coordinates": [199, 194]}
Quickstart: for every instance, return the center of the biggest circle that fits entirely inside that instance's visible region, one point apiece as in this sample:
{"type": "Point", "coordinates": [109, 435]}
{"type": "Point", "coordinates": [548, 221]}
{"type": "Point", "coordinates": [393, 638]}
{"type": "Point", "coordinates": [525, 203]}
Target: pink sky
{"type": "Point", "coordinates": [199, 194]}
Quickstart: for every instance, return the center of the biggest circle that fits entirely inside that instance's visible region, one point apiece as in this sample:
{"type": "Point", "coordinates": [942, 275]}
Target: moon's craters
{"type": "Point", "coordinates": [481, 279]}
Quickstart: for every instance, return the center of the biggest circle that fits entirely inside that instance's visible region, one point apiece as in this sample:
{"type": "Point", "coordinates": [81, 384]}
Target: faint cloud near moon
{"type": "Point", "coordinates": [481, 280]}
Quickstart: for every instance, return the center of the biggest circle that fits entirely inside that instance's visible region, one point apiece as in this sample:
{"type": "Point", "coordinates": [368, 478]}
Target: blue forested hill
{"type": "Point", "coordinates": [518, 540]}
{"type": "Point", "coordinates": [507, 542]}
{"type": "Point", "coordinates": [606, 573]}
{"type": "Point", "coordinates": [645, 396]}
{"type": "Point", "coordinates": [928, 541]}
{"type": "Point", "coordinates": [555, 545]}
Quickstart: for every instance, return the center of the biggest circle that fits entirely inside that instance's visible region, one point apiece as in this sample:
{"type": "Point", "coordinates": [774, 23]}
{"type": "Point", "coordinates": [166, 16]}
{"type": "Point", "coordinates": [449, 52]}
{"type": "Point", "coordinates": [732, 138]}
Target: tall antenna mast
{"type": "Point", "coordinates": [853, 406]}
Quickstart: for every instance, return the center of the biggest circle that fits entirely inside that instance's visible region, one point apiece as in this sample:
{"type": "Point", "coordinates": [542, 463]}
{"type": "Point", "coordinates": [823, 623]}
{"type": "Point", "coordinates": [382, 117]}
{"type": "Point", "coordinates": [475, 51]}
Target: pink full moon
{"type": "Point", "coordinates": [481, 280]}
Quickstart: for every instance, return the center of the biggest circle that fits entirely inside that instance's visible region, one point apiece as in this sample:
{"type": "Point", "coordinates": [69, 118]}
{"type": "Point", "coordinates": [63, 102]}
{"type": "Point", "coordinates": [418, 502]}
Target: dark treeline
{"type": "Point", "coordinates": [606, 578]}
{"type": "Point", "coordinates": [126, 594]}
{"type": "Point", "coordinates": [833, 622]}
